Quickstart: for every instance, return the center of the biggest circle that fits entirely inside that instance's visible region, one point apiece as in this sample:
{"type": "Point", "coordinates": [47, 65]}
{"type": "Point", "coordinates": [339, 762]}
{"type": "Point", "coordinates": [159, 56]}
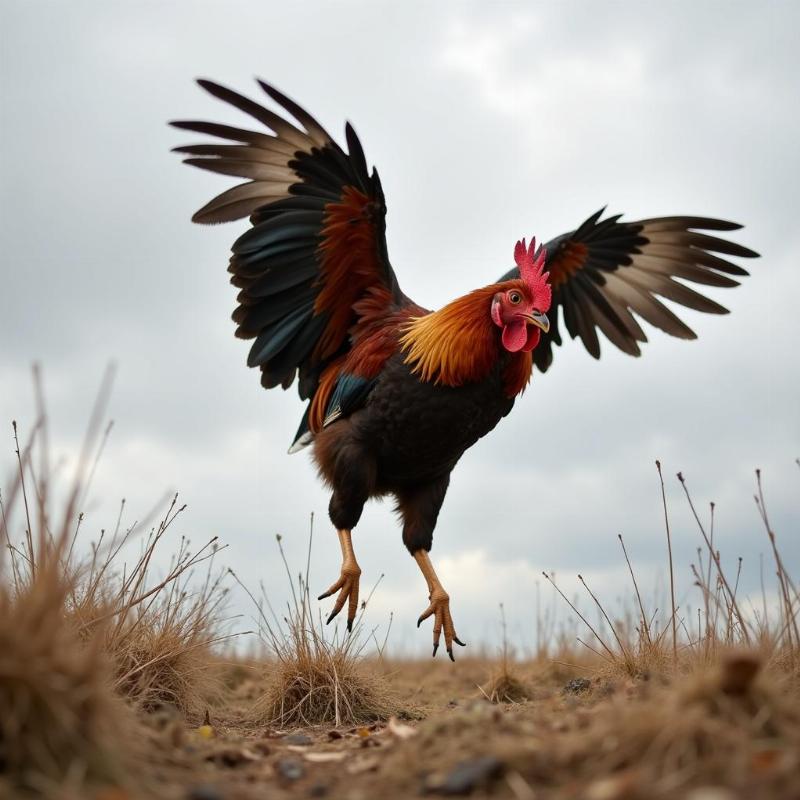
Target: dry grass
{"type": "Point", "coordinates": [646, 644]}
{"type": "Point", "coordinates": [726, 726]}
{"type": "Point", "coordinates": [505, 685]}
{"type": "Point", "coordinates": [158, 633]}
{"type": "Point", "coordinates": [731, 728]}
{"type": "Point", "coordinates": [61, 720]}
{"type": "Point", "coordinates": [314, 678]}
{"type": "Point", "coordinates": [85, 641]}
{"type": "Point", "coordinates": [61, 723]}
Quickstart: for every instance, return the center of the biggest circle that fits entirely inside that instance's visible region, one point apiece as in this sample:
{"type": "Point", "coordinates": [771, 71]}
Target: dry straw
{"type": "Point", "coordinates": [86, 641]}
{"type": "Point", "coordinates": [313, 677]}
{"type": "Point", "coordinates": [678, 643]}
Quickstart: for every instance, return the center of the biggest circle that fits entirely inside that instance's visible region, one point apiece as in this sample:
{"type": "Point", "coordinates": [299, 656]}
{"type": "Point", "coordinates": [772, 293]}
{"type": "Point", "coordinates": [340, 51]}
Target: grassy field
{"type": "Point", "coordinates": [115, 684]}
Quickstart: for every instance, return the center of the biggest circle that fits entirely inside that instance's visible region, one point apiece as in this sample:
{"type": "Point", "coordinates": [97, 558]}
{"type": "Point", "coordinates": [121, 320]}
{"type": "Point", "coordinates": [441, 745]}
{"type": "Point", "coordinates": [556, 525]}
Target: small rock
{"type": "Point", "coordinates": [334, 734]}
{"type": "Point", "coordinates": [231, 756]}
{"type": "Point", "coordinates": [298, 739]}
{"type": "Point", "coordinates": [577, 686]}
{"type": "Point", "coordinates": [290, 769]}
{"type": "Point", "coordinates": [469, 775]}
{"type": "Point", "coordinates": [203, 792]}
{"type": "Point", "coordinates": [318, 790]}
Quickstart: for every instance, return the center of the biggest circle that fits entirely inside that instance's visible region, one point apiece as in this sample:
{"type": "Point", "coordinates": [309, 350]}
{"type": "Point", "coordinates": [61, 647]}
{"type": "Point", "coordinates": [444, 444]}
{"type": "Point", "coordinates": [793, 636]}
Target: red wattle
{"type": "Point", "coordinates": [534, 334]}
{"type": "Point", "coordinates": [515, 335]}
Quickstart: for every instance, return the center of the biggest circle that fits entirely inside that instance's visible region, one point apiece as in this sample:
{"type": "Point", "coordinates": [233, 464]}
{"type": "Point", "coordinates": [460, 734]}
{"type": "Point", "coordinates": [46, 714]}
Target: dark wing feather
{"type": "Point", "coordinates": [607, 270]}
{"type": "Point", "coordinates": [317, 245]}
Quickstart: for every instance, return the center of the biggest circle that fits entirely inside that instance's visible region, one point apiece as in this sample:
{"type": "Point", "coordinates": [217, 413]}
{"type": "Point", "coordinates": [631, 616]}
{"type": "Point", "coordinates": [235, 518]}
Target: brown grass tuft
{"type": "Point", "coordinates": [61, 724]}
{"type": "Point", "coordinates": [312, 678]}
{"type": "Point", "coordinates": [157, 633]}
{"type": "Point", "coordinates": [59, 718]}
{"type": "Point", "coordinates": [506, 686]}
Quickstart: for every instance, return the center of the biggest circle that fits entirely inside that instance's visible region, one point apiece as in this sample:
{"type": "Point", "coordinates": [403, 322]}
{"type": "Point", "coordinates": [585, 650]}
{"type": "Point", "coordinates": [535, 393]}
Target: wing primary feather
{"type": "Point", "coordinates": [239, 152]}
{"type": "Point", "coordinates": [239, 201]}
{"type": "Point", "coordinates": [262, 140]}
{"type": "Point", "coordinates": [314, 129]}
{"type": "Point", "coordinates": [684, 223]}
{"type": "Point", "coordinates": [285, 130]}
{"type": "Point", "coordinates": [357, 154]}
{"type": "Point", "coordinates": [254, 170]}
{"type": "Point", "coordinates": [587, 225]}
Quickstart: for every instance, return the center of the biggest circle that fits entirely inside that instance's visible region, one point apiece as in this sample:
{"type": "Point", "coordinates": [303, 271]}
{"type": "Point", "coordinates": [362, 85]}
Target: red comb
{"type": "Point", "coordinates": [531, 270]}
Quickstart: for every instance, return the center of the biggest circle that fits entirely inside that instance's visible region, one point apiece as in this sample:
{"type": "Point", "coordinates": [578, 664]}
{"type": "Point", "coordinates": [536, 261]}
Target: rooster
{"type": "Point", "coordinates": [396, 393]}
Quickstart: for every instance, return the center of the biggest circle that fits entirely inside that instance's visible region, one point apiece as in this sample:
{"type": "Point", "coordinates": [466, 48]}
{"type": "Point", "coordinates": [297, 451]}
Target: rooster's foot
{"type": "Point", "coordinates": [439, 609]}
{"type": "Point", "coordinates": [347, 586]}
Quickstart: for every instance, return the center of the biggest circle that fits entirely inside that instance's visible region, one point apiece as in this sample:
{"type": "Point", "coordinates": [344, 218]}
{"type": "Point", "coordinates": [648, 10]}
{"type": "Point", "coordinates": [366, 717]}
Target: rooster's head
{"type": "Point", "coordinates": [520, 307]}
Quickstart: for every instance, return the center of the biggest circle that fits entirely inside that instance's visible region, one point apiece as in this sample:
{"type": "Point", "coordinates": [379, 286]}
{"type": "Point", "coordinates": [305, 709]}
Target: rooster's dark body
{"type": "Point", "coordinates": [405, 442]}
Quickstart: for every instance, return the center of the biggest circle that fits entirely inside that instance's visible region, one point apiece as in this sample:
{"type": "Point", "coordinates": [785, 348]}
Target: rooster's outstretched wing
{"type": "Point", "coordinates": [314, 263]}
{"type": "Point", "coordinates": [607, 270]}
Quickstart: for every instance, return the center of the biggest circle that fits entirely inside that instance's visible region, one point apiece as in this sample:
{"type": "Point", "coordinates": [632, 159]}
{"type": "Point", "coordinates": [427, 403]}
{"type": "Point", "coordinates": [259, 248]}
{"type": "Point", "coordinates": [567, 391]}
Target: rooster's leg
{"type": "Point", "coordinates": [439, 608]}
{"type": "Point", "coordinates": [347, 585]}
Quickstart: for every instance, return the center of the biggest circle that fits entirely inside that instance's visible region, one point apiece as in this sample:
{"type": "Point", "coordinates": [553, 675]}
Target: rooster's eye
{"type": "Point", "coordinates": [514, 298]}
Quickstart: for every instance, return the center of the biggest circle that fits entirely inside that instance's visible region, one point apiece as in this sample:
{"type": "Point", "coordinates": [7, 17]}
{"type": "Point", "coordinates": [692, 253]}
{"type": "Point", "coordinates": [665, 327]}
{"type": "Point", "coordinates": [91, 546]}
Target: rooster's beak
{"type": "Point", "coordinates": [539, 319]}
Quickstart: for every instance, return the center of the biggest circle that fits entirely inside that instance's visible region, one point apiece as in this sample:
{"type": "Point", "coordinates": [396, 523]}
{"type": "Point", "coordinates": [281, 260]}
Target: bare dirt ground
{"type": "Point", "coordinates": [723, 733]}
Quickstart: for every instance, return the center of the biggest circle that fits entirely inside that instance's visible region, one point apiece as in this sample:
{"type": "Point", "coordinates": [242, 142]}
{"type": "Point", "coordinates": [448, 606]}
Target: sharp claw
{"type": "Point", "coordinates": [322, 596]}
{"type": "Point", "coordinates": [435, 648]}
{"type": "Point", "coordinates": [330, 618]}
{"type": "Point", "coordinates": [458, 641]}
{"type": "Point", "coordinates": [419, 622]}
{"type": "Point", "coordinates": [349, 626]}
{"type": "Point", "coordinates": [450, 653]}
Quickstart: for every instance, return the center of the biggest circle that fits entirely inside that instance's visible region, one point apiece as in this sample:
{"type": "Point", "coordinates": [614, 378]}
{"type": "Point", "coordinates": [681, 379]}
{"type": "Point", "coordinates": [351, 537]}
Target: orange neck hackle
{"type": "Point", "coordinates": [459, 344]}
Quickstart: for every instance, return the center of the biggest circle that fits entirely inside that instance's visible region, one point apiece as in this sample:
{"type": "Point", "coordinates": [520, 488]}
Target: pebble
{"type": "Point", "coordinates": [290, 769]}
{"type": "Point", "coordinates": [203, 792]}
{"type": "Point", "coordinates": [577, 685]}
{"type": "Point", "coordinates": [468, 775]}
{"type": "Point", "coordinates": [298, 738]}
{"type": "Point", "coordinates": [232, 756]}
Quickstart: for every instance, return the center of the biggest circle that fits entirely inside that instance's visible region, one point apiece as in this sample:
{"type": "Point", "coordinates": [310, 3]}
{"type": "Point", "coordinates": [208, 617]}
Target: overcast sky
{"type": "Point", "coordinates": [488, 122]}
